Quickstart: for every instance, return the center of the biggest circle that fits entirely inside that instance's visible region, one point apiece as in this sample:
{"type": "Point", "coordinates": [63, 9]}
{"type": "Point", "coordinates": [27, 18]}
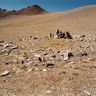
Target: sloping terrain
{"type": "Point", "coordinates": [30, 10]}
{"type": "Point", "coordinates": [34, 62]}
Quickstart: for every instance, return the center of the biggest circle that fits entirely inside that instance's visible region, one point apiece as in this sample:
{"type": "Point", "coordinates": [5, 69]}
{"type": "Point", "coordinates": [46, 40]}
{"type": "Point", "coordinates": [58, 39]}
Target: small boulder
{"type": "Point", "coordinates": [51, 35]}
{"type": "Point", "coordinates": [29, 70]}
{"type": "Point", "coordinates": [6, 72]}
{"type": "Point", "coordinates": [44, 70]}
{"type": "Point", "coordinates": [50, 65]}
{"type": "Point", "coordinates": [68, 35]}
{"type": "Point", "coordinates": [22, 60]}
{"type": "Point", "coordinates": [83, 53]}
{"type": "Point", "coordinates": [67, 55]}
{"type": "Point", "coordinates": [1, 41]}
{"type": "Point", "coordinates": [48, 92]}
{"type": "Point", "coordinates": [39, 57]}
{"type": "Point", "coordinates": [14, 47]}
{"type": "Point", "coordinates": [34, 37]}
{"type": "Point", "coordinates": [6, 45]}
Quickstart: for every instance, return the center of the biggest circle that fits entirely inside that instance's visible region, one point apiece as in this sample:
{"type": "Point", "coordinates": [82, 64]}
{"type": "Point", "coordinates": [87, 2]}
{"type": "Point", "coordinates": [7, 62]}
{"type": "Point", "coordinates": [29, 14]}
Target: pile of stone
{"type": "Point", "coordinates": [59, 34]}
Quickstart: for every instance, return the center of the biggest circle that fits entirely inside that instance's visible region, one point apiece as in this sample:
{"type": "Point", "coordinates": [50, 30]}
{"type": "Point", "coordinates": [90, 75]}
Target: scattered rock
{"type": "Point", "coordinates": [76, 37]}
{"type": "Point", "coordinates": [2, 51]}
{"type": "Point", "coordinates": [51, 35]}
{"type": "Point", "coordinates": [83, 53]}
{"type": "Point", "coordinates": [67, 55]}
{"type": "Point", "coordinates": [22, 60]}
{"type": "Point", "coordinates": [6, 72]}
{"type": "Point", "coordinates": [30, 69]}
{"type": "Point", "coordinates": [1, 41]}
{"type": "Point", "coordinates": [6, 45]}
{"type": "Point", "coordinates": [34, 37]}
{"type": "Point", "coordinates": [71, 63]}
{"type": "Point", "coordinates": [68, 35]}
{"type": "Point", "coordinates": [14, 47]}
{"type": "Point", "coordinates": [86, 92]}
{"type": "Point", "coordinates": [23, 67]}
{"type": "Point", "coordinates": [48, 92]}
{"type": "Point", "coordinates": [83, 36]}
{"type": "Point", "coordinates": [50, 65]}
{"type": "Point", "coordinates": [39, 57]}
{"type": "Point", "coordinates": [44, 70]}
{"type": "Point", "coordinates": [45, 53]}
{"type": "Point", "coordinates": [91, 59]}
{"type": "Point", "coordinates": [54, 56]}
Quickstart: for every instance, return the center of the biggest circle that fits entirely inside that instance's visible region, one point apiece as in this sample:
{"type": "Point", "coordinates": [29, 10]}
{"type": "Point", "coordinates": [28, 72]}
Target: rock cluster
{"type": "Point", "coordinates": [59, 34]}
{"type": "Point", "coordinates": [46, 56]}
{"type": "Point", "coordinates": [7, 47]}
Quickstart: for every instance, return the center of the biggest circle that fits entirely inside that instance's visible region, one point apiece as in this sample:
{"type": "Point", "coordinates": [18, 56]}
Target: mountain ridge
{"type": "Point", "coordinates": [30, 10]}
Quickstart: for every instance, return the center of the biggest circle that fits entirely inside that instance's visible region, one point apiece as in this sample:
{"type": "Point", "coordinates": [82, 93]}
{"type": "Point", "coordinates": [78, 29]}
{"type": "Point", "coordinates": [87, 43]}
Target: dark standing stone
{"type": "Point", "coordinates": [51, 36]}
{"type": "Point", "coordinates": [63, 35]}
{"type": "Point", "coordinates": [70, 54]}
{"type": "Point", "coordinates": [68, 35]}
{"type": "Point", "coordinates": [60, 34]}
{"type": "Point", "coordinates": [57, 32]}
{"type": "Point", "coordinates": [40, 59]}
{"type": "Point", "coordinates": [83, 54]}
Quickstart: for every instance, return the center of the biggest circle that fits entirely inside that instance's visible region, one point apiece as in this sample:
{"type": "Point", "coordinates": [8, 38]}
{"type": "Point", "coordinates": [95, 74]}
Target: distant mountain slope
{"type": "Point", "coordinates": [72, 21]}
{"type": "Point", "coordinates": [30, 10]}
{"type": "Point", "coordinates": [35, 9]}
{"type": "Point", "coordinates": [85, 10]}
{"type": "Point", "coordinates": [2, 12]}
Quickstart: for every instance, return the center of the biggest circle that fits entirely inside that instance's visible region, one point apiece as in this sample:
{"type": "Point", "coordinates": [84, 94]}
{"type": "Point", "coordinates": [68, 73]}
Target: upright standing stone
{"type": "Point", "coordinates": [68, 35]}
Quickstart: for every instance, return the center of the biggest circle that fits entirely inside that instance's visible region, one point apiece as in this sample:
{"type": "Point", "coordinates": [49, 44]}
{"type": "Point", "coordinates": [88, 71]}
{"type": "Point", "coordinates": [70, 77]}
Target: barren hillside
{"type": "Point", "coordinates": [36, 59]}
{"type": "Point", "coordinates": [30, 10]}
{"type": "Point", "coordinates": [46, 23]}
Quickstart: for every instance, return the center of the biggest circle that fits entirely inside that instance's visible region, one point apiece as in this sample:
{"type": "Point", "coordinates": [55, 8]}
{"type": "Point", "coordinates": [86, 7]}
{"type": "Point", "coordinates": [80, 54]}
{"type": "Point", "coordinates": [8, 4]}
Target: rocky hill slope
{"type": "Point", "coordinates": [30, 10]}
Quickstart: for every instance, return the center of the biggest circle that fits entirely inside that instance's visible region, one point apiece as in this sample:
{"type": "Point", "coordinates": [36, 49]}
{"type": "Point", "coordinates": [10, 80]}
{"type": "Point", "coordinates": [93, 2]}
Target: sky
{"type": "Point", "coordinates": [49, 5]}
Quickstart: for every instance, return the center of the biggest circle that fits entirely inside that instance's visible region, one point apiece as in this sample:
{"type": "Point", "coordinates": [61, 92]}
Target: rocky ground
{"type": "Point", "coordinates": [37, 60]}
{"type": "Point", "coordinates": [44, 66]}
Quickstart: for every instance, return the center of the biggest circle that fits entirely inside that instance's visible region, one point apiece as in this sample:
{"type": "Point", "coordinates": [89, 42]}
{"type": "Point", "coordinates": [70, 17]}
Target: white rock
{"type": "Point", "coordinates": [44, 70]}
{"type": "Point", "coordinates": [6, 72]}
{"type": "Point", "coordinates": [14, 47]}
{"type": "Point", "coordinates": [6, 45]}
{"type": "Point", "coordinates": [76, 36]}
{"type": "Point", "coordinates": [48, 92]}
{"type": "Point", "coordinates": [22, 58]}
{"type": "Point", "coordinates": [29, 70]}
{"type": "Point", "coordinates": [67, 55]}
{"type": "Point", "coordinates": [87, 93]}
{"type": "Point", "coordinates": [55, 37]}
{"type": "Point", "coordinates": [71, 63]}
{"type": "Point", "coordinates": [37, 55]}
